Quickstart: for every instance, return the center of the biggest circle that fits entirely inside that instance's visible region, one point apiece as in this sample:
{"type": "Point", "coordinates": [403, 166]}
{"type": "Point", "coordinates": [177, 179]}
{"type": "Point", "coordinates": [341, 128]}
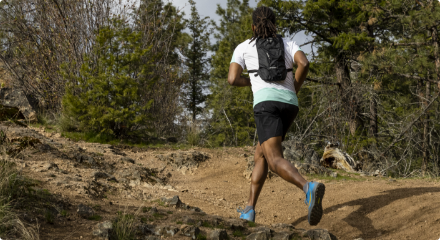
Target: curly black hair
{"type": "Point", "coordinates": [264, 21]}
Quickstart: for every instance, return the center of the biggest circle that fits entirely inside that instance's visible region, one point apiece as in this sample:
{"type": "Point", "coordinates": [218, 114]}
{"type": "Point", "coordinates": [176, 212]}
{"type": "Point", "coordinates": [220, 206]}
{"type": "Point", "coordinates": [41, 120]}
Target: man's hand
{"type": "Point", "coordinates": [235, 78]}
{"type": "Point", "coordinates": [301, 71]}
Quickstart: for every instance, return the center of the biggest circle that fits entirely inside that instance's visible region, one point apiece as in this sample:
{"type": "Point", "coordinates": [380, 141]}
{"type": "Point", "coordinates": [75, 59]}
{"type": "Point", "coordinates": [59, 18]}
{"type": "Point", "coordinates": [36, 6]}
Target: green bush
{"type": "Point", "coordinates": [105, 97]}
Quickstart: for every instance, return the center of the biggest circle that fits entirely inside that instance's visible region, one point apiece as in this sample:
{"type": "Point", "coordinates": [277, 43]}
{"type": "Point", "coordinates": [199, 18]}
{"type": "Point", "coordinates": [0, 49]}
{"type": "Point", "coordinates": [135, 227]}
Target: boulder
{"type": "Point", "coordinates": [306, 168]}
{"type": "Point", "coordinates": [184, 159]}
{"type": "Point", "coordinates": [166, 231]}
{"type": "Point", "coordinates": [103, 229]}
{"type": "Point", "coordinates": [190, 231]}
{"type": "Point", "coordinates": [16, 99]}
{"type": "Point", "coordinates": [297, 152]}
{"type": "Point", "coordinates": [335, 158]}
{"type": "Point", "coordinates": [318, 234]}
{"type": "Point", "coordinates": [85, 211]}
{"type": "Point", "coordinates": [258, 236]}
{"type": "Point", "coordinates": [218, 235]}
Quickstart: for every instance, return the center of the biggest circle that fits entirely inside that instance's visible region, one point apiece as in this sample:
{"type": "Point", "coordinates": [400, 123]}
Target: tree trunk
{"type": "Point", "coordinates": [373, 117]}
{"type": "Point", "coordinates": [426, 129]}
{"type": "Point", "coordinates": [348, 99]}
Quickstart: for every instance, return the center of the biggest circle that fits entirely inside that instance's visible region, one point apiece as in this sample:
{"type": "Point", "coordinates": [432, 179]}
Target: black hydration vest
{"type": "Point", "coordinates": [272, 66]}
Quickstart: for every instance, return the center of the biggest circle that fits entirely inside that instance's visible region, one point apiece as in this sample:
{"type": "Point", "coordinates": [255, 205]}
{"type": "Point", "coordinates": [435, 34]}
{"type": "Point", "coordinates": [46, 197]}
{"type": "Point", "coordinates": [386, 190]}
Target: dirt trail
{"type": "Point", "coordinates": [361, 207]}
{"type": "Point", "coordinates": [368, 208]}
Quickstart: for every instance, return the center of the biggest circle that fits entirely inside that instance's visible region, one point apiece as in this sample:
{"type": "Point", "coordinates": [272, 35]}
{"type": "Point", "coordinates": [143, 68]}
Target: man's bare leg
{"type": "Point", "coordinates": [273, 154]}
{"type": "Point", "coordinates": [259, 175]}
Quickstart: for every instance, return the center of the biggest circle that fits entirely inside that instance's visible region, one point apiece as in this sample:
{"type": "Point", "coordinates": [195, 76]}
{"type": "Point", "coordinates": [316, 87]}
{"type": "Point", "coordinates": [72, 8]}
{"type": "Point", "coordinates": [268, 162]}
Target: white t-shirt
{"type": "Point", "coordinates": [246, 55]}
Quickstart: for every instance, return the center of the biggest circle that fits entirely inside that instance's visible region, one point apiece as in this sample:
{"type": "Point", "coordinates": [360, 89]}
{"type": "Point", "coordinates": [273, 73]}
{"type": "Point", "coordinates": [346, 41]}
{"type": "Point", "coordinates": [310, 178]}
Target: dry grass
{"type": "Point", "coordinates": [12, 190]}
{"type": "Point", "coordinates": [124, 227]}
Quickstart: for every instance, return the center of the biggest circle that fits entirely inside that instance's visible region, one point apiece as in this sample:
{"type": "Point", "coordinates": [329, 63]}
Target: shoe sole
{"type": "Point", "coordinates": [315, 212]}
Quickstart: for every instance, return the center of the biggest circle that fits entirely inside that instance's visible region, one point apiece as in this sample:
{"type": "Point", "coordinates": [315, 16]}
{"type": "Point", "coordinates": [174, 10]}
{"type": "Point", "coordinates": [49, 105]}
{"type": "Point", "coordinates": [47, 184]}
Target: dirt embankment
{"type": "Point", "coordinates": [211, 186]}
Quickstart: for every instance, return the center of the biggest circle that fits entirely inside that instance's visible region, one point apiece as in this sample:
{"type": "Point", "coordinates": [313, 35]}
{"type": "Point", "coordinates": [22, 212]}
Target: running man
{"type": "Point", "coordinates": [275, 106]}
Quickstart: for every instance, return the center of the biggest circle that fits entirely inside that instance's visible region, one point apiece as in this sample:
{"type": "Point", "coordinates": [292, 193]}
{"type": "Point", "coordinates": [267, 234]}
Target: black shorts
{"type": "Point", "coordinates": [273, 119]}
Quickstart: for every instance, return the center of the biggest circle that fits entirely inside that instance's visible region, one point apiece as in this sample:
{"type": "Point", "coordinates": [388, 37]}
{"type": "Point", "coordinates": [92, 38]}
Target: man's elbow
{"type": "Point", "coordinates": [304, 64]}
{"type": "Point", "coordinates": [231, 81]}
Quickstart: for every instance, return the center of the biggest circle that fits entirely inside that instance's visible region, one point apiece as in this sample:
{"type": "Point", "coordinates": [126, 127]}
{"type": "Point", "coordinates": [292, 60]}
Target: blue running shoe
{"type": "Point", "coordinates": [314, 201]}
{"type": "Point", "coordinates": [250, 215]}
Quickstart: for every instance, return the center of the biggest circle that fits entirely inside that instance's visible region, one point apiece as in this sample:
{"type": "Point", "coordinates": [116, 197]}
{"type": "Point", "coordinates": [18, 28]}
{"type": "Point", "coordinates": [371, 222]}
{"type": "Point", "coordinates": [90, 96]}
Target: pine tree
{"type": "Point", "coordinates": [105, 98]}
{"type": "Point", "coordinates": [232, 121]}
{"type": "Point", "coordinates": [196, 61]}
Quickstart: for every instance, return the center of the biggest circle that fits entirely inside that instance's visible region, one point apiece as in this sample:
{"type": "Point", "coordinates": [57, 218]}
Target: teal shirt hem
{"type": "Point", "coordinates": [274, 94]}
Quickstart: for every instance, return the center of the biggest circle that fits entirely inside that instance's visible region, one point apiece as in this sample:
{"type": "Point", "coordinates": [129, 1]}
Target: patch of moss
{"type": "Point", "coordinates": [201, 237]}
{"type": "Point", "coordinates": [95, 217]}
{"type": "Point", "coordinates": [238, 233]}
{"type": "Point", "coordinates": [251, 224]}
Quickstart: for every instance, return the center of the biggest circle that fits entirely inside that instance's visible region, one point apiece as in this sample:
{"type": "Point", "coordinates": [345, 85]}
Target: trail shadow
{"type": "Point", "coordinates": [359, 220]}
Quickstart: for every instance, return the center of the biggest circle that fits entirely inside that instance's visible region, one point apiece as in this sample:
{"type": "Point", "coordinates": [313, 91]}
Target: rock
{"type": "Point", "coordinates": [218, 235]}
{"type": "Point", "coordinates": [334, 174]}
{"type": "Point", "coordinates": [188, 220]}
{"type": "Point", "coordinates": [147, 229]}
{"type": "Point", "coordinates": [174, 201]}
{"type": "Point", "coordinates": [15, 98]}
{"type": "Point", "coordinates": [85, 211]}
{"type": "Point", "coordinates": [306, 168]}
{"type": "Point", "coordinates": [298, 152]}
{"type": "Point", "coordinates": [103, 229]}
{"type": "Point", "coordinates": [167, 231]}
{"type": "Point", "coordinates": [318, 234]}
{"type": "Point", "coordinates": [152, 238]}
{"type": "Point", "coordinates": [98, 175]}
{"type": "Point", "coordinates": [187, 159]}
{"type": "Point", "coordinates": [127, 159]}
{"type": "Point", "coordinates": [49, 166]}
{"type": "Point", "coordinates": [282, 236]}
{"type": "Point", "coordinates": [44, 147]}
{"type": "Point", "coordinates": [335, 158]}
{"type": "Point", "coordinates": [190, 231]}
{"type": "Point", "coordinates": [112, 179]}
{"type": "Point", "coordinates": [283, 226]}
{"type": "Point", "coordinates": [236, 224]}
{"type": "Point", "coordinates": [258, 236]}
{"type": "Point", "coordinates": [153, 210]}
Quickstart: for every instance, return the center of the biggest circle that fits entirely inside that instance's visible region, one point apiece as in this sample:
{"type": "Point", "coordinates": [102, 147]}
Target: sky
{"type": "Point", "coordinates": [208, 8]}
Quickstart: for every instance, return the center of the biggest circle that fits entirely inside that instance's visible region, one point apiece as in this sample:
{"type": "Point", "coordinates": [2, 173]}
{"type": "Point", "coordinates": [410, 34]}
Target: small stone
{"type": "Point", "coordinates": [152, 238]}
{"type": "Point", "coordinates": [258, 236]}
{"type": "Point", "coordinates": [218, 235]}
{"type": "Point", "coordinates": [282, 236]}
{"type": "Point", "coordinates": [102, 229]}
{"type": "Point", "coordinates": [359, 239]}
{"type": "Point", "coordinates": [127, 159]}
{"type": "Point", "coordinates": [167, 231]}
{"type": "Point", "coordinates": [318, 234]}
{"type": "Point", "coordinates": [85, 211]}
{"type": "Point", "coordinates": [236, 224]}
{"type": "Point", "coordinates": [147, 229]}
{"type": "Point", "coordinates": [49, 165]}
{"type": "Point", "coordinates": [334, 174]}
{"type": "Point", "coordinates": [153, 210]}
{"type": "Point", "coordinates": [392, 180]}
{"type": "Point", "coordinates": [98, 175]}
{"type": "Point", "coordinates": [188, 220]}
{"type": "Point", "coordinates": [112, 179]}
{"type": "Point", "coordinates": [190, 231]}
{"type": "Point", "coordinates": [283, 226]}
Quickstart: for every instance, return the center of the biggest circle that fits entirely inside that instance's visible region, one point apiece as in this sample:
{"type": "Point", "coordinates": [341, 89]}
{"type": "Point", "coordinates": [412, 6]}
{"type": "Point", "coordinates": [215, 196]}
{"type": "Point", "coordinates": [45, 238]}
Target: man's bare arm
{"type": "Point", "coordinates": [301, 71]}
{"type": "Point", "coordinates": [235, 78]}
